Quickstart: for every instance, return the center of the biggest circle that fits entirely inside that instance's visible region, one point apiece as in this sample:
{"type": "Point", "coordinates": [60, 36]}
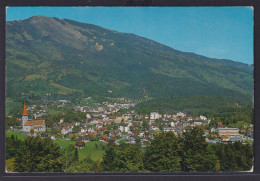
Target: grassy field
{"type": "Point", "coordinates": [90, 150]}
{"type": "Point", "coordinates": [19, 135]}
{"type": "Point", "coordinates": [239, 124]}
{"type": "Point", "coordinates": [64, 143]}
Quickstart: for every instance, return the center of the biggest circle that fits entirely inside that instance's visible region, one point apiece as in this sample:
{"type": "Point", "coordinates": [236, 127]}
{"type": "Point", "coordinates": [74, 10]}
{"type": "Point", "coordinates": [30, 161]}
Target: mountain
{"type": "Point", "coordinates": [72, 59]}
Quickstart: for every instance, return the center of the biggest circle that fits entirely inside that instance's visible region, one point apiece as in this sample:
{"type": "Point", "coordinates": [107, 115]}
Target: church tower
{"type": "Point", "coordinates": [24, 115]}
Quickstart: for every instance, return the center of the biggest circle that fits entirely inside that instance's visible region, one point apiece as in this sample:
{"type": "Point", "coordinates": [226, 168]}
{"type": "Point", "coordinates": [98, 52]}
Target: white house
{"type": "Point", "coordinates": [154, 115]}
{"type": "Point", "coordinates": [91, 130]}
{"type": "Point", "coordinates": [180, 114]}
{"type": "Point", "coordinates": [88, 116]}
{"type": "Point", "coordinates": [77, 123]}
{"type": "Point", "coordinates": [83, 130]}
{"type": "Point", "coordinates": [127, 128]}
{"type": "Point", "coordinates": [66, 130]}
{"type": "Point", "coordinates": [203, 118]}
{"type": "Point", "coordinates": [53, 137]}
{"type": "Point", "coordinates": [124, 128]}
{"type": "Point", "coordinates": [198, 123]}
{"type": "Point", "coordinates": [213, 130]}
{"type": "Point", "coordinates": [172, 124]}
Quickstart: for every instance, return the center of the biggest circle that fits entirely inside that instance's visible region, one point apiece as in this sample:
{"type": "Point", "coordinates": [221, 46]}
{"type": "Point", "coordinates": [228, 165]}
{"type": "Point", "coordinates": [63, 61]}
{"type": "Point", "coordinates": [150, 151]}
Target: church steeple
{"type": "Point", "coordinates": [24, 110]}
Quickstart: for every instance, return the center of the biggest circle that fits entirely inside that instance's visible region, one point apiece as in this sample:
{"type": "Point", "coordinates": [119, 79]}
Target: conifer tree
{"type": "Point", "coordinates": [196, 156]}
{"type": "Point", "coordinates": [38, 155]}
{"type": "Point", "coordinates": [109, 162]}
{"type": "Point", "coordinates": [163, 154]}
{"type": "Point", "coordinates": [76, 154]}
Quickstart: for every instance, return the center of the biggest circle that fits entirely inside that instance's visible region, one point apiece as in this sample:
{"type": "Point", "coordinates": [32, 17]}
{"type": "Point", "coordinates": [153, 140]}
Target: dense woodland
{"type": "Point", "coordinates": [166, 153]}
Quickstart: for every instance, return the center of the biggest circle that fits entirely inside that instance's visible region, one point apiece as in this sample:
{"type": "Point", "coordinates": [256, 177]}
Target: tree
{"type": "Point", "coordinates": [76, 154]}
{"type": "Point", "coordinates": [130, 158]}
{"type": "Point", "coordinates": [163, 154]}
{"type": "Point", "coordinates": [49, 123]}
{"type": "Point", "coordinates": [38, 155]}
{"type": "Point", "coordinates": [145, 125]}
{"type": "Point", "coordinates": [76, 129]}
{"type": "Point", "coordinates": [12, 122]}
{"type": "Point", "coordinates": [109, 162]}
{"type": "Point", "coordinates": [196, 156]}
{"type": "Point", "coordinates": [13, 145]}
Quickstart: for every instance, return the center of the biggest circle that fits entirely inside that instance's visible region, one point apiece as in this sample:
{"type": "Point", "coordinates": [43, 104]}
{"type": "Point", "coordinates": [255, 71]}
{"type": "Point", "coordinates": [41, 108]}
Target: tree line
{"type": "Point", "coordinates": [166, 153]}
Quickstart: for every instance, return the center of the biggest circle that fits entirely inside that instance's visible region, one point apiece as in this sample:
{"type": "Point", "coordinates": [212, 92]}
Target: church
{"type": "Point", "coordinates": [35, 125]}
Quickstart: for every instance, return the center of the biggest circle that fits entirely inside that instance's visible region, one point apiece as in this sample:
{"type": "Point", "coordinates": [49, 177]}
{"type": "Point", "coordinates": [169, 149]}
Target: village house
{"type": "Point", "coordinates": [180, 114]}
{"type": "Point", "coordinates": [203, 118]}
{"type": "Point", "coordinates": [189, 118]}
{"type": "Point", "coordinates": [213, 136]}
{"type": "Point", "coordinates": [91, 135]}
{"type": "Point", "coordinates": [85, 138]}
{"type": "Point", "coordinates": [220, 124]}
{"type": "Point", "coordinates": [103, 138]}
{"type": "Point", "coordinates": [91, 130]}
{"type": "Point", "coordinates": [83, 129]}
{"type": "Point", "coordinates": [154, 115]}
{"type": "Point", "coordinates": [212, 130]}
{"type": "Point", "coordinates": [99, 125]}
{"type": "Point", "coordinates": [76, 123]}
{"type": "Point", "coordinates": [54, 137]}
{"type": "Point", "coordinates": [66, 130]}
{"type": "Point", "coordinates": [124, 128]}
{"type": "Point", "coordinates": [80, 145]}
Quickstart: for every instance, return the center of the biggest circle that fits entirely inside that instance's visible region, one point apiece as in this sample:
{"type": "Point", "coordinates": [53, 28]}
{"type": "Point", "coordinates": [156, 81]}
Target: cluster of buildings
{"type": "Point", "coordinates": [104, 122]}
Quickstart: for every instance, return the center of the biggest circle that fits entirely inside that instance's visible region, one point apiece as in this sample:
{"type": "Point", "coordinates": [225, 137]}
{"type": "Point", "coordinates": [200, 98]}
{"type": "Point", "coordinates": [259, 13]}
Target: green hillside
{"type": "Point", "coordinates": [210, 106]}
{"type": "Point", "coordinates": [71, 59]}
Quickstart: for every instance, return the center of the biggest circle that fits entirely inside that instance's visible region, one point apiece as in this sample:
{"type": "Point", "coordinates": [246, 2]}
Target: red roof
{"type": "Point", "coordinates": [37, 127]}
{"type": "Point", "coordinates": [104, 137]}
{"type": "Point", "coordinates": [225, 137]}
{"type": "Point", "coordinates": [35, 122]}
{"type": "Point", "coordinates": [220, 124]}
{"type": "Point", "coordinates": [70, 136]}
{"type": "Point", "coordinates": [91, 135]}
{"type": "Point", "coordinates": [214, 136]}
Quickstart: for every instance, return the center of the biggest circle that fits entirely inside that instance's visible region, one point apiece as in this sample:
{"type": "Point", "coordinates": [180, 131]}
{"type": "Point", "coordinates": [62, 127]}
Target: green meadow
{"type": "Point", "coordinates": [20, 136]}
{"type": "Point", "coordinates": [92, 149]}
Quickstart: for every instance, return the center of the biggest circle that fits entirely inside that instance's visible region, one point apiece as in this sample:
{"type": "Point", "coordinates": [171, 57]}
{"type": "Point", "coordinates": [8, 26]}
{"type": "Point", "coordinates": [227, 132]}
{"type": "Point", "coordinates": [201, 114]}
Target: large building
{"type": "Point", "coordinates": [35, 125]}
{"type": "Point", "coordinates": [228, 131]}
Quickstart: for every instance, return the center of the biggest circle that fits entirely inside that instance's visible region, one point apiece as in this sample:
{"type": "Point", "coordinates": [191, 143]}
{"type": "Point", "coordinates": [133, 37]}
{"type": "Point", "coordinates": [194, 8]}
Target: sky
{"type": "Point", "coordinates": [216, 32]}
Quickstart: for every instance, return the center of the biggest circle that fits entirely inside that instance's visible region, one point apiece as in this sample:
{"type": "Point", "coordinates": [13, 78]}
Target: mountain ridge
{"type": "Point", "coordinates": [191, 53]}
{"type": "Point", "coordinates": [89, 58]}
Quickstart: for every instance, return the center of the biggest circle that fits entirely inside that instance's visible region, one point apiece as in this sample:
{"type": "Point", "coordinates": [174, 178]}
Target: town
{"type": "Point", "coordinates": [118, 121]}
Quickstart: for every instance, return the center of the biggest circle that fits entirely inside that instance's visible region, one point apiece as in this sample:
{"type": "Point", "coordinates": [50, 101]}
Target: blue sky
{"type": "Point", "coordinates": [218, 32]}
